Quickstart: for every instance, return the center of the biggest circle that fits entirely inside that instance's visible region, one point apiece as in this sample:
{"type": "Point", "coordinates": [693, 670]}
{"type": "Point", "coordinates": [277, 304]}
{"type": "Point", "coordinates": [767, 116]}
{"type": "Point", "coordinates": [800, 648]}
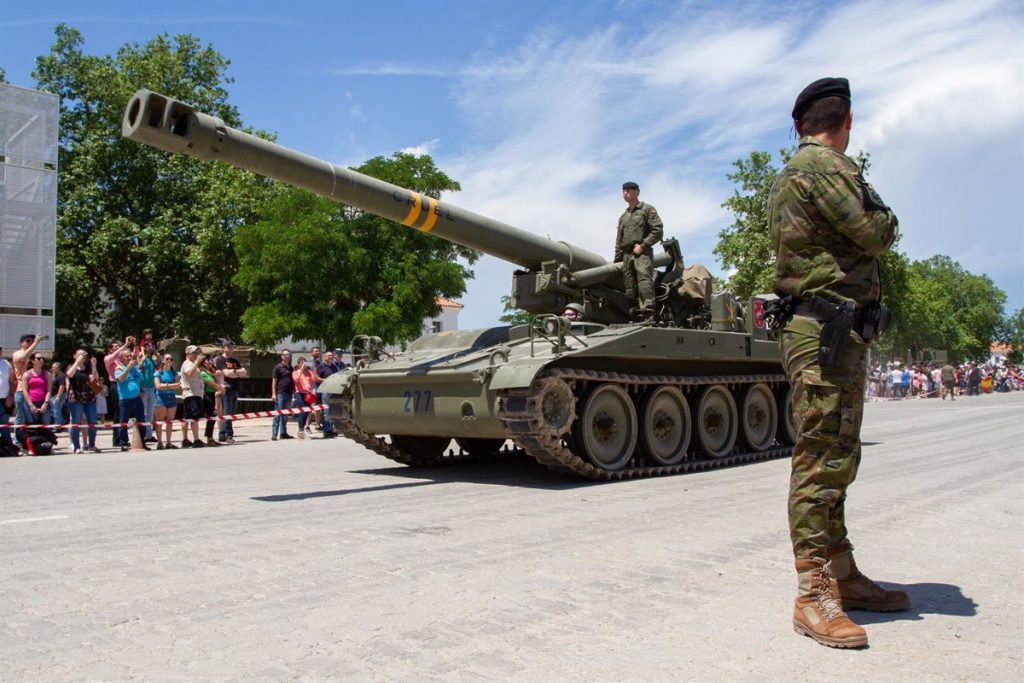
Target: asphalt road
{"type": "Point", "coordinates": [319, 560]}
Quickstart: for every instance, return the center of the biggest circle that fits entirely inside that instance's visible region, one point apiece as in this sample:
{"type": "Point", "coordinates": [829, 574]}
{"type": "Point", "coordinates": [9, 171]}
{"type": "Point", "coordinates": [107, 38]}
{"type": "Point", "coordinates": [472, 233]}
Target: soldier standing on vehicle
{"type": "Point", "coordinates": [829, 227]}
{"type": "Point", "coordinates": [640, 228]}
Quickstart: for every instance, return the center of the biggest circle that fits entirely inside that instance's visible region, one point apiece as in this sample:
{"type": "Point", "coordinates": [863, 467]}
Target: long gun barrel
{"type": "Point", "coordinates": [174, 126]}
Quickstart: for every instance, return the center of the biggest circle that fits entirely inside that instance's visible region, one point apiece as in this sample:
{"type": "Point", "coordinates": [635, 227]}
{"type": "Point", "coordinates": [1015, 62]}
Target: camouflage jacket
{"type": "Point", "coordinates": [829, 226]}
{"type": "Point", "coordinates": [642, 224]}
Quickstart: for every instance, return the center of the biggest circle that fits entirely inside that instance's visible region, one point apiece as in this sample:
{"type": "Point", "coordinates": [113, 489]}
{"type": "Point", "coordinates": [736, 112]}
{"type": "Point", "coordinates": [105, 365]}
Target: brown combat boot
{"type": "Point", "coordinates": [817, 613]}
{"type": "Point", "coordinates": [858, 591]}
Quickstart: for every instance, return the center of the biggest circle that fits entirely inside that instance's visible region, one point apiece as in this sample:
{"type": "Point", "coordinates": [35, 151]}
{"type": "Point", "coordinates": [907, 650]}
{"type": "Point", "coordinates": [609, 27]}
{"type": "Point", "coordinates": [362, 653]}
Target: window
{"type": "Point", "coordinates": [435, 326]}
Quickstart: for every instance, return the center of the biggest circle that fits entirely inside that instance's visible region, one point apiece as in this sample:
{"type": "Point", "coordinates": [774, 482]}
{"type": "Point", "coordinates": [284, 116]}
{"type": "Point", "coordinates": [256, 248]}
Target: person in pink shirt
{"type": "Point", "coordinates": [305, 392]}
{"type": "Point", "coordinates": [37, 390]}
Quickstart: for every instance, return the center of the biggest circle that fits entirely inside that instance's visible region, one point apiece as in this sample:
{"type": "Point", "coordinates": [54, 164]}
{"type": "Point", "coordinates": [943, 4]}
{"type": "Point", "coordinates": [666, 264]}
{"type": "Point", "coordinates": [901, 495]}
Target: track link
{"type": "Point", "coordinates": [521, 411]}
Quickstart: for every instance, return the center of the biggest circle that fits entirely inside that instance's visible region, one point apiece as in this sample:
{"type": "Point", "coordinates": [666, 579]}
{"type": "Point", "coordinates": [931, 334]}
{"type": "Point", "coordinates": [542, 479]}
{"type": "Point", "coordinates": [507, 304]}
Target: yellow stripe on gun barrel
{"type": "Point", "coordinates": [431, 215]}
{"type": "Point", "coordinates": [414, 210]}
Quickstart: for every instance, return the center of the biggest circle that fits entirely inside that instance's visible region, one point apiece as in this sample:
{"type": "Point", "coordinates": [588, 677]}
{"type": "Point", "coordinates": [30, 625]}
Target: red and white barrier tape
{"type": "Point", "coordinates": [239, 416]}
{"type": "Point", "coordinates": [923, 394]}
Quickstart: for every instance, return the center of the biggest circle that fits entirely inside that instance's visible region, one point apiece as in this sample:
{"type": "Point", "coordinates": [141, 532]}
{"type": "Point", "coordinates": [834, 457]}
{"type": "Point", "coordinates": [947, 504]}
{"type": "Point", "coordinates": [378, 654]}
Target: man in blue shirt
{"type": "Point", "coordinates": [323, 371]}
{"type": "Point", "coordinates": [129, 391]}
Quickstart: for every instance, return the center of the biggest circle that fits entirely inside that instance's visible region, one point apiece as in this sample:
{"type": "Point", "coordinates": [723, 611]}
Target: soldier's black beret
{"type": "Point", "coordinates": [820, 89]}
{"type": "Point", "coordinates": [630, 185]}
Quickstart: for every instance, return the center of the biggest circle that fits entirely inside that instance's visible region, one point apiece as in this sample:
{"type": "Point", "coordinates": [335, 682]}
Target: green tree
{"type": "Point", "coordinates": [3, 76]}
{"type": "Point", "coordinates": [512, 315]}
{"type": "Point", "coordinates": [313, 269]}
{"type": "Point", "coordinates": [746, 245]}
{"type": "Point", "coordinates": [950, 308]}
{"type": "Point", "coordinates": [1012, 334]}
{"type": "Point", "coordinates": [143, 239]}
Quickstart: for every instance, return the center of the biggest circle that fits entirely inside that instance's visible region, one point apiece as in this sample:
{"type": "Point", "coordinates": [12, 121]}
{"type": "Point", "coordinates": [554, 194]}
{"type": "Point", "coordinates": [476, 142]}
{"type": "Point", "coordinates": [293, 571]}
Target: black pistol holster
{"type": "Point", "coordinates": [837, 320]}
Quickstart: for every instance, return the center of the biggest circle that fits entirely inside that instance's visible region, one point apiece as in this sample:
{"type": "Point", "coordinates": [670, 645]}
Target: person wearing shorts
{"type": "Point", "coordinates": [192, 393]}
{"type": "Point", "coordinates": [166, 382]}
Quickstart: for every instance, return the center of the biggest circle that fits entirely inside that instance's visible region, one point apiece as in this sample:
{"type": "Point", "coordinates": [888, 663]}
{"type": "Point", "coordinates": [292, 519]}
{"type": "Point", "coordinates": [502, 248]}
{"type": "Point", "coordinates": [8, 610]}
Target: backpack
{"type": "Point", "coordinates": [37, 441]}
{"type": "Point", "coordinates": [8, 449]}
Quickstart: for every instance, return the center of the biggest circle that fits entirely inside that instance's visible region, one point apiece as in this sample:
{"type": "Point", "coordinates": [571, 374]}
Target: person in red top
{"type": "Point", "coordinates": [305, 392]}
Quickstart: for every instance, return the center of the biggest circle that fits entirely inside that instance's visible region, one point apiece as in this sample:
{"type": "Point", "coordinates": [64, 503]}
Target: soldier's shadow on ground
{"type": "Point", "coordinates": [512, 470]}
{"type": "Point", "coordinates": [925, 599]}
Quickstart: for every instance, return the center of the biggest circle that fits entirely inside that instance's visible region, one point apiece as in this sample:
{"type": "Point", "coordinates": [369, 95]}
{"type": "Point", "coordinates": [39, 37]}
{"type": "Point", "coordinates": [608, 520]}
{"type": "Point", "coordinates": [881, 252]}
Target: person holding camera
{"type": "Point", "coordinates": [192, 393]}
{"type": "Point", "coordinates": [114, 349]}
{"type": "Point", "coordinates": [129, 392]}
{"type": "Point", "coordinates": [20, 359]}
{"type": "Point", "coordinates": [83, 381]}
{"type": "Point", "coordinates": [233, 372]}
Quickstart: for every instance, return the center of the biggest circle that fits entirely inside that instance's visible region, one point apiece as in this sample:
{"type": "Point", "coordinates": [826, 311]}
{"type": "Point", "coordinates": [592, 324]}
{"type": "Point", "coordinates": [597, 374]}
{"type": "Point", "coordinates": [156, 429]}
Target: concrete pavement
{"type": "Point", "coordinates": [319, 560]}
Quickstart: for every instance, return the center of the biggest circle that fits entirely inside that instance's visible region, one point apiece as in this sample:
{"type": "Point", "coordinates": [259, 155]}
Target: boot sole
{"type": "Point", "coordinates": [845, 643]}
{"type": "Point", "coordinates": [876, 607]}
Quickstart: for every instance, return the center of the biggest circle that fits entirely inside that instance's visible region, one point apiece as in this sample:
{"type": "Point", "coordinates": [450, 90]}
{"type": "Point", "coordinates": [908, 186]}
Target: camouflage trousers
{"type": "Point", "coordinates": [638, 274]}
{"type": "Point", "coordinates": [828, 406]}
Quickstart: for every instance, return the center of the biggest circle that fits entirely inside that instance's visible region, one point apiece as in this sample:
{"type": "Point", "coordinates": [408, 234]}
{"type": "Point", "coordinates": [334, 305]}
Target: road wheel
{"type": "Point", "coordinates": [716, 422]}
{"type": "Point", "coordinates": [786, 431]}
{"type": "Point", "coordinates": [759, 417]}
{"type": "Point", "coordinates": [665, 426]}
{"type": "Point", "coordinates": [606, 429]}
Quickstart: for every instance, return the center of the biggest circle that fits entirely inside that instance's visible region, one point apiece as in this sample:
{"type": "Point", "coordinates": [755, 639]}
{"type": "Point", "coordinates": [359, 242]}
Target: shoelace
{"type": "Point", "coordinates": [829, 605]}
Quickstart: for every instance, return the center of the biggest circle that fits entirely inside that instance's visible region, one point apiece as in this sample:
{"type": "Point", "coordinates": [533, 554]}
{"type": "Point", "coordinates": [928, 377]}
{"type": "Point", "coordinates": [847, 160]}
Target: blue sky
{"type": "Point", "coordinates": [542, 109]}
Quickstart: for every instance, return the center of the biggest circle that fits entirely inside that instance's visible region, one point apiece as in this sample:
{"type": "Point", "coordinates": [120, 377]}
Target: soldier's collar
{"type": "Point", "coordinates": [811, 140]}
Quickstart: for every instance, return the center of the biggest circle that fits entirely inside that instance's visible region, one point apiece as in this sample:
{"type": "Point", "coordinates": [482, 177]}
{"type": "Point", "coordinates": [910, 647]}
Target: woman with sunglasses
{"type": "Point", "coordinates": [166, 381]}
{"type": "Point", "coordinates": [37, 394]}
{"type": "Point", "coordinates": [83, 383]}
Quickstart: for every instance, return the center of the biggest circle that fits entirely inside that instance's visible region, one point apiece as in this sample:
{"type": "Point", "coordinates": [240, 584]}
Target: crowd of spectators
{"type": "Point", "coordinates": [896, 380]}
{"type": "Point", "coordinates": [133, 380]}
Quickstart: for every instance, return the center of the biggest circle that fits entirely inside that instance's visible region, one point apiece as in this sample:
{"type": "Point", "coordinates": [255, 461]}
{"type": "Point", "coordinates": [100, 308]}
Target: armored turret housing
{"type": "Point", "coordinates": [700, 385]}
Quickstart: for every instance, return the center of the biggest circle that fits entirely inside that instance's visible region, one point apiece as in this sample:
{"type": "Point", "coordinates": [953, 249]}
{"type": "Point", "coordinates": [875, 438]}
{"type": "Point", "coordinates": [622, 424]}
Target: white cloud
{"type": "Point", "coordinates": [560, 121]}
{"type": "Point", "coordinates": [389, 70]}
{"type": "Point", "coordinates": [427, 147]}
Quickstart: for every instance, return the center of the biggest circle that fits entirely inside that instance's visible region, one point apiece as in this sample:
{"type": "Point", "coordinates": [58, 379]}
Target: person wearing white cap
{"type": "Point", "coordinates": [192, 393]}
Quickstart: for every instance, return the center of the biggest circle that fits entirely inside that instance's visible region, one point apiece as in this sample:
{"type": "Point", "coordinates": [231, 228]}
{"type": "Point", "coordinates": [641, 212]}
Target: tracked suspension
{"type": "Point", "coordinates": [523, 413]}
{"type": "Point", "coordinates": [537, 420]}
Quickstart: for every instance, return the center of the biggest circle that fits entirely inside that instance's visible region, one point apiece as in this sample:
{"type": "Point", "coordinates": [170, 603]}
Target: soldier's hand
{"type": "Point", "coordinates": [638, 249]}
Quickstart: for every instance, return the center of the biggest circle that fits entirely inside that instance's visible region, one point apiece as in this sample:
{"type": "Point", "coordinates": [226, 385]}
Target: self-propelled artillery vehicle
{"type": "Point", "coordinates": [701, 385]}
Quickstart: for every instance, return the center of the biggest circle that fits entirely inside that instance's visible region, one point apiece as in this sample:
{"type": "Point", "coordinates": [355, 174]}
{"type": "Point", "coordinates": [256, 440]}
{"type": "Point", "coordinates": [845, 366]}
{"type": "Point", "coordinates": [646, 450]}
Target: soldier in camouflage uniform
{"type": "Point", "coordinates": [640, 228]}
{"type": "Point", "coordinates": [829, 228]}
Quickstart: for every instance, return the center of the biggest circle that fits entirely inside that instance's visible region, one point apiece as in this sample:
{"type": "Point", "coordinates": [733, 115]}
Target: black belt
{"type": "Point", "coordinates": [815, 307]}
{"type": "Point", "coordinates": [868, 321]}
